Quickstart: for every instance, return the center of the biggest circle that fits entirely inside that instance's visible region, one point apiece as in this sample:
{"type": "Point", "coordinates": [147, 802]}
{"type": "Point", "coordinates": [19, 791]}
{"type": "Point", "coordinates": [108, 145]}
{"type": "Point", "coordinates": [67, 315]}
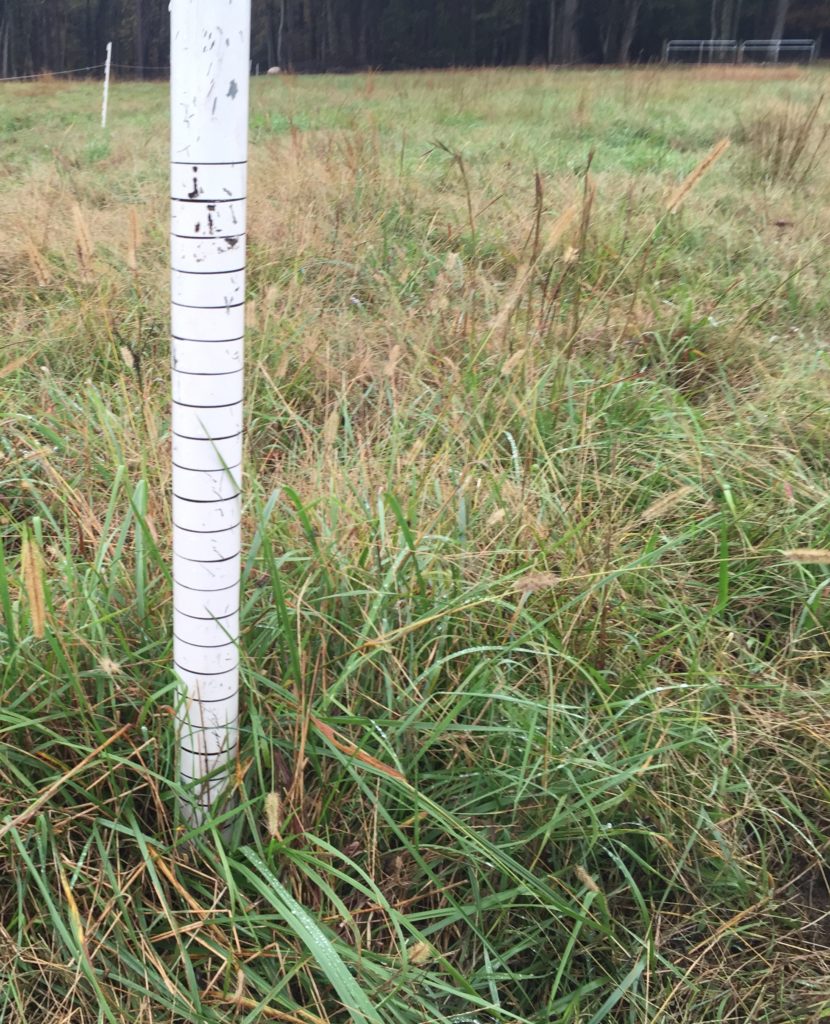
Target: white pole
{"type": "Point", "coordinates": [209, 82]}
{"type": "Point", "coordinates": [107, 66]}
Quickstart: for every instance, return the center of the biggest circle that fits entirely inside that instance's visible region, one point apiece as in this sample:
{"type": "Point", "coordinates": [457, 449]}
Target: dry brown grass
{"type": "Point", "coordinates": [744, 73]}
{"type": "Point", "coordinates": [787, 141]}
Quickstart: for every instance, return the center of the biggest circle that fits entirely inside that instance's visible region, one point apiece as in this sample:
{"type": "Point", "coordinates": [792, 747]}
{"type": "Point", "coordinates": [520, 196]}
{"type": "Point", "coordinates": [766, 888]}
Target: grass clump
{"type": "Point", "coordinates": [786, 142]}
{"type": "Point", "coordinates": [535, 626]}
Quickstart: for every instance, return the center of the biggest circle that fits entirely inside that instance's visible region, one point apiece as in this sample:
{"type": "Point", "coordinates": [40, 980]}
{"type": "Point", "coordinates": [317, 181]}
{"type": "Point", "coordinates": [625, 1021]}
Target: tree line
{"type": "Point", "coordinates": [320, 35]}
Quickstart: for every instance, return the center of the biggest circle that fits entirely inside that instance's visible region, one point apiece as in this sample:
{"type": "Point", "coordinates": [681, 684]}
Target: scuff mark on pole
{"type": "Point", "coordinates": [209, 150]}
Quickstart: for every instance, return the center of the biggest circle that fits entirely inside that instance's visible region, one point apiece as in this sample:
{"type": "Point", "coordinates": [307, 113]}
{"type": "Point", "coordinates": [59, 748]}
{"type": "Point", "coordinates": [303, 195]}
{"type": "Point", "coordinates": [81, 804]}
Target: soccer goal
{"type": "Point", "coordinates": [778, 51]}
{"type": "Point", "coordinates": [701, 51]}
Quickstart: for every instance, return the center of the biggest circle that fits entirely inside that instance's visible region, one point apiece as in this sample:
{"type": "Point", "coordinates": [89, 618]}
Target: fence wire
{"type": "Point", "coordinates": [53, 74]}
{"type": "Point", "coordinates": [80, 71]}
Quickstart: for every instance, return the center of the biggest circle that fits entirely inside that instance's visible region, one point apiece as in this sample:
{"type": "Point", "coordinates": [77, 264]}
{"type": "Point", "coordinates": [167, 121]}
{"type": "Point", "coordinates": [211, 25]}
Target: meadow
{"type": "Point", "coordinates": [535, 632]}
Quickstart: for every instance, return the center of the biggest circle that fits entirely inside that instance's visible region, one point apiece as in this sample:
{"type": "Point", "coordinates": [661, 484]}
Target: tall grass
{"type": "Point", "coordinates": [535, 633]}
{"type": "Point", "coordinates": [788, 142]}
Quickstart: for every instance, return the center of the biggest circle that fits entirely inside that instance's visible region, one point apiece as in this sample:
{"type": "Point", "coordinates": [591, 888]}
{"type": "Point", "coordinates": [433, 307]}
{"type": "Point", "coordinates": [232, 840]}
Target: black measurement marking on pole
{"type": "Point", "coordinates": [202, 590]}
{"type": "Point", "coordinates": [225, 529]}
{"type": "Point", "coordinates": [206, 501]}
{"type": "Point", "coordinates": [219, 469]}
{"type": "Point", "coordinates": [187, 405]}
{"type": "Point", "coordinates": [204, 753]}
{"type": "Point", "coordinates": [226, 437]}
{"type": "Point", "coordinates": [208, 561]}
{"type": "Point", "coordinates": [206, 647]}
{"type": "Point", "coordinates": [183, 668]}
{"type": "Point", "coordinates": [208, 273]}
{"type": "Point", "coordinates": [230, 696]}
{"type": "Point", "coordinates": [206, 618]}
{"type": "Point", "coordinates": [205, 781]}
{"type": "Point", "coordinates": [224, 199]}
{"type": "Point", "coordinates": [185, 709]}
{"type": "Point", "coordinates": [209, 163]}
{"type": "Point", "coordinates": [201, 373]}
{"type": "Point", "coordinates": [211, 238]}
{"type": "Point", "coordinates": [204, 341]}
{"type": "Point", "coordinates": [230, 643]}
{"type": "Point", "coordinates": [225, 305]}
{"type": "Point", "coordinates": [199, 501]}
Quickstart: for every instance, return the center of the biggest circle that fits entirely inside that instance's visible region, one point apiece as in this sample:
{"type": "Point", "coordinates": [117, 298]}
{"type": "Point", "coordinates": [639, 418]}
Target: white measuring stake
{"type": "Point", "coordinates": [209, 83]}
{"type": "Point", "coordinates": [107, 66]}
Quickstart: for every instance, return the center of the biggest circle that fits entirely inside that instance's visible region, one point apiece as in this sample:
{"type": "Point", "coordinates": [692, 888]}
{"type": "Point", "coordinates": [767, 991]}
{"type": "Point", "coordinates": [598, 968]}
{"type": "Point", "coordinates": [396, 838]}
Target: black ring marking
{"type": "Point", "coordinates": [199, 501]}
{"type": "Point", "coordinates": [219, 469]}
{"type": "Point", "coordinates": [208, 273]}
{"type": "Point", "coordinates": [206, 618]}
{"type": "Point", "coordinates": [184, 405]}
{"type": "Point", "coordinates": [210, 163]}
{"type": "Point", "coordinates": [211, 238]}
{"type": "Point", "coordinates": [204, 533]}
{"type": "Point", "coordinates": [225, 199]}
{"type": "Point", "coordinates": [194, 673]}
{"type": "Point", "coordinates": [207, 341]}
{"type": "Point", "coordinates": [200, 590]}
{"type": "Point", "coordinates": [226, 437]}
{"type": "Point", "coordinates": [204, 753]}
{"type": "Point", "coordinates": [232, 642]}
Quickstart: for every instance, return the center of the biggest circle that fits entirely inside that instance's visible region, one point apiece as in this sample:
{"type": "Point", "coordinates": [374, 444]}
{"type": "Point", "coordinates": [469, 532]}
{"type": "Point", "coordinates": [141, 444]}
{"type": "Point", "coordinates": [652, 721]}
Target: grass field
{"type": "Point", "coordinates": [536, 661]}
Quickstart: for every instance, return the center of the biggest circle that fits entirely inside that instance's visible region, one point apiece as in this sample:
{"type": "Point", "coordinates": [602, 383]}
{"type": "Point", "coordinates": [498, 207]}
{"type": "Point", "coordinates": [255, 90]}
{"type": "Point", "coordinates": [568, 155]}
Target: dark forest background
{"type": "Point", "coordinates": [320, 35]}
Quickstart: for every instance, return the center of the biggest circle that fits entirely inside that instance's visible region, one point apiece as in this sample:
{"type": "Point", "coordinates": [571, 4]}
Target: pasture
{"type": "Point", "coordinates": [538, 543]}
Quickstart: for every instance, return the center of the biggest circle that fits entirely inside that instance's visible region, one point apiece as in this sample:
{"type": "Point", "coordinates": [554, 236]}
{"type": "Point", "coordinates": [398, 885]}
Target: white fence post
{"type": "Point", "coordinates": [107, 67]}
{"type": "Point", "coordinates": [209, 84]}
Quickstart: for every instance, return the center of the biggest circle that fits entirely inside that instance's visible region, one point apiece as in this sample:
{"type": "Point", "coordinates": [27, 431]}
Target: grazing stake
{"type": "Point", "coordinates": [209, 80]}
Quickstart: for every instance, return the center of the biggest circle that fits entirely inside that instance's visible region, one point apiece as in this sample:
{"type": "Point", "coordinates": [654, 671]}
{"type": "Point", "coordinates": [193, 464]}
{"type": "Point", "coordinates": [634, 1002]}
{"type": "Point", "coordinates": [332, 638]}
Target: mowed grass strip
{"type": "Point", "coordinates": [535, 634]}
